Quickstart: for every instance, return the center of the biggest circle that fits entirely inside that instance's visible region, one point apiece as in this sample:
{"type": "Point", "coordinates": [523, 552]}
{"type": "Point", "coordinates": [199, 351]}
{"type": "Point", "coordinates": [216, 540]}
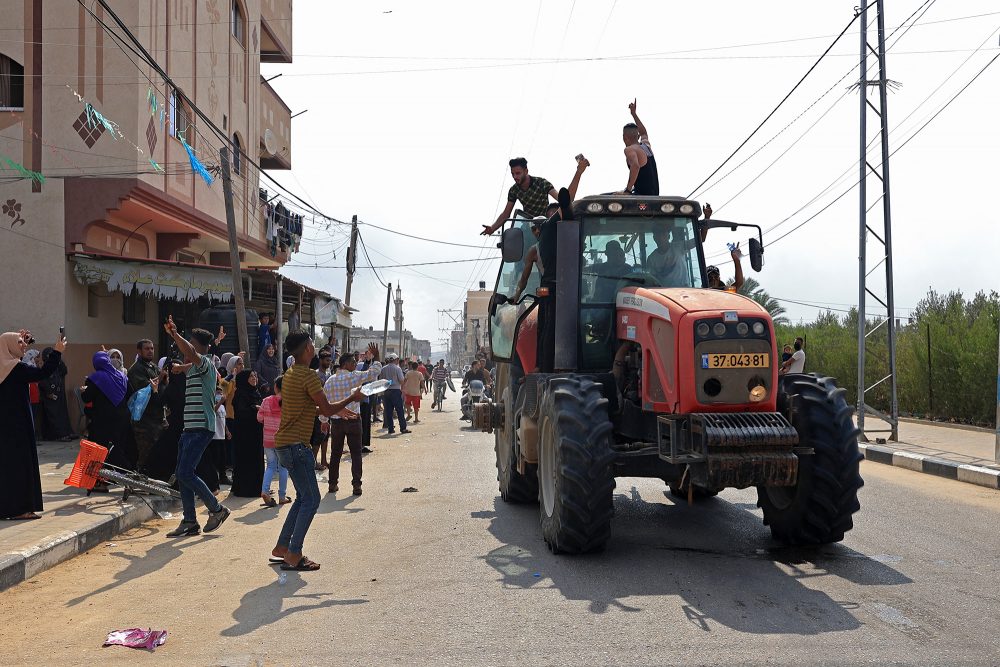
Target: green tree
{"type": "Point", "coordinates": [753, 289]}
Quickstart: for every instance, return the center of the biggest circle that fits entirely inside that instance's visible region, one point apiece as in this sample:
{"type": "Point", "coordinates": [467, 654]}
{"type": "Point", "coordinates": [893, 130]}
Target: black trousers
{"type": "Point", "coordinates": [366, 424]}
{"type": "Point", "coordinates": [348, 430]}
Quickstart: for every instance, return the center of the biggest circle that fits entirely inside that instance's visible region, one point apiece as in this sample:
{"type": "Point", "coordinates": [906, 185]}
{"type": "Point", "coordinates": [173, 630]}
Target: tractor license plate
{"type": "Point", "coordinates": [761, 360]}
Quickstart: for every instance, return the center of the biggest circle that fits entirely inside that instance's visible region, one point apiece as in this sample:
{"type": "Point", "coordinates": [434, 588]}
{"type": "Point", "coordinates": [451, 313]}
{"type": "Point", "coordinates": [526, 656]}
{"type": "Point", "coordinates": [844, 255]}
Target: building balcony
{"type": "Point", "coordinates": [275, 129]}
{"type": "Point", "coordinates": [276, 31]}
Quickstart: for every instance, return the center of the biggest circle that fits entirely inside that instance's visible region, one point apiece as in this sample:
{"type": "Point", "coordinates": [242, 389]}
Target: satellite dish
{"type": "Point", "coordinates": [270, 144]}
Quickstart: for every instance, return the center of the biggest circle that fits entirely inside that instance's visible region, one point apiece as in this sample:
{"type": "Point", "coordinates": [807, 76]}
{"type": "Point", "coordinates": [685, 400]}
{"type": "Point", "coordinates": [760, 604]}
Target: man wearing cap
{"type": "Point", "coordinates": [715, 280]}
{"type": "Point", "coordinates": [393, 396]}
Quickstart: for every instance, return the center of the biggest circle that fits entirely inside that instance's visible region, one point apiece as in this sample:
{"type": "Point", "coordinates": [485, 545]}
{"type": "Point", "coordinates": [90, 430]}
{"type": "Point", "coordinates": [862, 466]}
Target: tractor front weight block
{"type": "Point", "coordinates": [738, 450]}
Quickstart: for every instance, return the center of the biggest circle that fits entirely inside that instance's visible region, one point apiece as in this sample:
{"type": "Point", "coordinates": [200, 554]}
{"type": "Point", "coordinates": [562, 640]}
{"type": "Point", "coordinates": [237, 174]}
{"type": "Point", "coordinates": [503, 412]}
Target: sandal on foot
{"type": "Point", "coordinates": [275, 560]}
{"type": "Point", "coordinates": [285, 501]}
{"type": "Point", "coordinates": [304, 565]}
{"type": "Point", "coordinates": [268, 500]}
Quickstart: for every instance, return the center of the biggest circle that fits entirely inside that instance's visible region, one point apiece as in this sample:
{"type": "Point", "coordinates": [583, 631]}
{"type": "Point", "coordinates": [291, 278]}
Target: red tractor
{"type": "Point", "coordinates": [655, 375]}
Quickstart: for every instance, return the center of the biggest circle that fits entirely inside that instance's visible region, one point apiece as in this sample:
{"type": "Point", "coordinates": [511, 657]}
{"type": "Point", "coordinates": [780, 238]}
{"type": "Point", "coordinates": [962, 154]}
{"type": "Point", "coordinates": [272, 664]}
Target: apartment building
{"type": "Point", "coordinates": [107, 224]}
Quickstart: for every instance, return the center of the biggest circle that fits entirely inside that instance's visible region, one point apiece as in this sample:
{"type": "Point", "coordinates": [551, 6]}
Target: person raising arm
{"type": "Point", "coordinates": [532, 191]}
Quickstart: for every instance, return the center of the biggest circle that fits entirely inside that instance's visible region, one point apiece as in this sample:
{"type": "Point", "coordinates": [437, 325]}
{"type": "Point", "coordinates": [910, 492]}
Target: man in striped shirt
{"type": "Point", "coordinates": [301, 395]}
{"type": "Point", "coordinates": [199, 429]}
{"type": "Point", "coordinates": [439, 378]}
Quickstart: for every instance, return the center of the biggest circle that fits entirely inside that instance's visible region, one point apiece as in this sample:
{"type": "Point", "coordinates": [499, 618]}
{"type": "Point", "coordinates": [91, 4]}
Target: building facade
{"type": "Point", "coordinates": [110, 224]}
{"type": "Point", "coordinates": [477, 322]}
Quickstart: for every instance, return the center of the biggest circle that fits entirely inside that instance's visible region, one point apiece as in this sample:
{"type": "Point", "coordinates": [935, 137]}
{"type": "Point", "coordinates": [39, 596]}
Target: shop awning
{"type": "Point", "coordinates": [160, 280]}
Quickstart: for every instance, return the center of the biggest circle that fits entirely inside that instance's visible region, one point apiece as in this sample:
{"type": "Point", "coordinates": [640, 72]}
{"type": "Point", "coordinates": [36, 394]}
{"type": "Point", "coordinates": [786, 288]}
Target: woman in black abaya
{"type": "Point", "coordinates": [248, 438]}
{"type": "Point", "coordinates": [55, 413]}
{"type": "Point", "coordinates": [21, 492]}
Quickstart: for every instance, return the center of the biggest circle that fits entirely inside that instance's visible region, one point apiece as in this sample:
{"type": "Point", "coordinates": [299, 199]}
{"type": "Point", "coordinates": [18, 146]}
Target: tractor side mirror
{"type": "Point", "coordinates": [512, 245]}
{"type": "Point", "coordinates": [756, 254]}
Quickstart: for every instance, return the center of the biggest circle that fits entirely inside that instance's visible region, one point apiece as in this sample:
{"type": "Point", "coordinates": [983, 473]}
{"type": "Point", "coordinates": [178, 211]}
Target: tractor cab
{"type": "Point", "coordinates": [614, 242]}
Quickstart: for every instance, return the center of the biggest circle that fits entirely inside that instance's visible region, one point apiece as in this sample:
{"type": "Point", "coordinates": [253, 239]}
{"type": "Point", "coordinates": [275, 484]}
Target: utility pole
{"type": "Point", "coordinates": [352, 260]}
{"type": "Point", "coordinates": [385, 327]}
{"type": "Point", "coordinates": [234, 256]}
{"type": "Point", "coordinates": [884, 238]}
{"type": "Point", "coordinates": [996, 449]}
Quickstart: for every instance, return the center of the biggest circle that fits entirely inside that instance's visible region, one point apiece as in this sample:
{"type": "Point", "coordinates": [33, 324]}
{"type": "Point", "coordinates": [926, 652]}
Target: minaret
{"type": "Point", "coordinates": [398, 319]}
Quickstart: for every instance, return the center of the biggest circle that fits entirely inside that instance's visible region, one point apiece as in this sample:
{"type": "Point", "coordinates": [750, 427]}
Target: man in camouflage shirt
{"type": "Point", "coordinates": [532, 191]}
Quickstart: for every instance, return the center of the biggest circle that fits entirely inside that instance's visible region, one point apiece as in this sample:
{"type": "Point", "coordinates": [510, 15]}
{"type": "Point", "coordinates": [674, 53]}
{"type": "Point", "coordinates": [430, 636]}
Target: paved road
{"type": "Point", "coordinates": [450, 575]}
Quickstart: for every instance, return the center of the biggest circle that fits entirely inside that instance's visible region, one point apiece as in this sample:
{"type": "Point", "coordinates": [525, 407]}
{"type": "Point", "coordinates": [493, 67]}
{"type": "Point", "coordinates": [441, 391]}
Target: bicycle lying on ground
{"type": "Point", "coordinates": [90, 468]}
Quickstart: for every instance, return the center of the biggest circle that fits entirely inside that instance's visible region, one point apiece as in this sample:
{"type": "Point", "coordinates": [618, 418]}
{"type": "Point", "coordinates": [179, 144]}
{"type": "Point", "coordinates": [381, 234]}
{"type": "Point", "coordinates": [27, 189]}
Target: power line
{"type": "Point", "coordinates": [420, 238]}
{"type": "Point", "coordinates": [370, 263]}
{"type": "Point", "coordinates": [775, 110]}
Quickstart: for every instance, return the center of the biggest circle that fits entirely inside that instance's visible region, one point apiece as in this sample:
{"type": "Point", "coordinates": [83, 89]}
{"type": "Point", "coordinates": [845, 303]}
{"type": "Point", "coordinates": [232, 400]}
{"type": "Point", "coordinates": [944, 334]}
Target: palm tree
{"type": "Point", "coordinates": [753, 289]}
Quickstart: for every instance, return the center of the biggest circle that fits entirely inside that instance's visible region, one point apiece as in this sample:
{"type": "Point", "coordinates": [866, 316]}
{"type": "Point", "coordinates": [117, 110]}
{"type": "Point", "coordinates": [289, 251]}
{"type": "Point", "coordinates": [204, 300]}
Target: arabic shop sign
{"type": "Point", "coordinates": [162, 282]}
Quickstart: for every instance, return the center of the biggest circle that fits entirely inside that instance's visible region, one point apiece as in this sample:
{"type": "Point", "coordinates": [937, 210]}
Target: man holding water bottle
{"type": "Point", "coordinates": [715, 279]}
{"type": "Point", "coordinates": [346, 425]}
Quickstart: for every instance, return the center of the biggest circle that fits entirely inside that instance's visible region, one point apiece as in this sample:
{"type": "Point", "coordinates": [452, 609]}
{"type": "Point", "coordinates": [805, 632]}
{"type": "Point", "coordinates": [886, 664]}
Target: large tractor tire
{"type": "Point", "coordinates": [575, 479]}
{"type": "Point", "coordinates": [514, 487]}
{"type": "Point", "coordinates": [818, 509]}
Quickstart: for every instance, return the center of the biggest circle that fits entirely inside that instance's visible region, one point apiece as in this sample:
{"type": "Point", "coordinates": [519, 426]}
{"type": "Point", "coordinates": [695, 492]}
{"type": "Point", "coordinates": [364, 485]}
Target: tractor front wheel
{"type": "Point", "coordinates": [575, 478]}
{"type": "Point", "coordinates": [514, 487]}
{"type": "Point", "coordinates": [819, 508]}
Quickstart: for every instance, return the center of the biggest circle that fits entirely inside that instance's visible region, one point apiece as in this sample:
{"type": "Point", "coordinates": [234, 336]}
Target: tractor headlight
{"type": "Point", "coordinates": [687, 209]}
{"type": "Point", "coordinates": [615, 207]}
{"type": "Point", "coordinates": [703, 329]}
{"type": "Point", "coordinates": [758, 328]}
{"type": "Point", "coordinates": [719, 329]}
{"type": "Point", "coordinates": [668, 208]}
{"type": "Point", "coordinates": [595, 207]}
{"type": "Point", "coordinates": [742, 328]}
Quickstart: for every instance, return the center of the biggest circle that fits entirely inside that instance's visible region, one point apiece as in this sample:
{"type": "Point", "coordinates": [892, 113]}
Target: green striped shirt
{"type": "Point", "coordinates": [199, 395]}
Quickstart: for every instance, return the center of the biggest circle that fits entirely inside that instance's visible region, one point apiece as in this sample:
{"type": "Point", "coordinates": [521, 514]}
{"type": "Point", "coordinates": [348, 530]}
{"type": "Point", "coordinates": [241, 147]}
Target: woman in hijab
{"type": "Point", "coordinates": [55, 425]}
{"type": "Point", "coordinates": [248, 438]}
{"type": "Point", "coordinates": [234, 367]}
{"type": "Point", "coordinates": [21, 494]}
{"type": "Point", "coordinates": [268, 368]}
{"type": "Point", "coordinates": [106, 390]}
{"type": "Point", "coordinates": [34, 359]}
{"type": "Point", "coordinates": [117, 360]}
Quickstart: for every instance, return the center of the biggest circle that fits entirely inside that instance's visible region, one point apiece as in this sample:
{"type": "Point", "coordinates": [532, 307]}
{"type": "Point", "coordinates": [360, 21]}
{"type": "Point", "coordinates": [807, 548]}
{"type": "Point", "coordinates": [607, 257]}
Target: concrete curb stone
{"type": "Point", "coordinates": [931, 466]}
{"type": "Point", "coordinates": [21, 565]}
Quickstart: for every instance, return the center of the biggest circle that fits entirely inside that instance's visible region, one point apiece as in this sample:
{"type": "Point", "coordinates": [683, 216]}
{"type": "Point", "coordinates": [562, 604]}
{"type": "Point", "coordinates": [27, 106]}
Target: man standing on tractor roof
{"type": "Point", "coordinates": [532, 191]}
{"type": "Point", "coordinates": [642, 176]}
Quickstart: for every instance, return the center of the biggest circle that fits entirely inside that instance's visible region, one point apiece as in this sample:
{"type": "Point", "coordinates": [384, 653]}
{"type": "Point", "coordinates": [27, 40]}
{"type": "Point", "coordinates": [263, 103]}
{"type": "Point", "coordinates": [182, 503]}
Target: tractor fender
{"type": "Point", "coordinates": [527, 341]}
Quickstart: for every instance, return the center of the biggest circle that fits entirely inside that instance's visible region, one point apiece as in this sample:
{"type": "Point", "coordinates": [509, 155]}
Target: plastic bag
{"type": "Point", "coordinates": [136, 638]}
{"type": "Point", "coordinates": [138, 402]}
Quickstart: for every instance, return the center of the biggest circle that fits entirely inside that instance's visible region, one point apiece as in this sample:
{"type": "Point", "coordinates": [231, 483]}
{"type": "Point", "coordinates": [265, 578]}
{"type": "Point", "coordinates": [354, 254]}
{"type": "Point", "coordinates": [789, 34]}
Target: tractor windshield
{"type": "Point", "coordinates": [627, 251]}
{"type": "Point", "coordinates": [659, 251]}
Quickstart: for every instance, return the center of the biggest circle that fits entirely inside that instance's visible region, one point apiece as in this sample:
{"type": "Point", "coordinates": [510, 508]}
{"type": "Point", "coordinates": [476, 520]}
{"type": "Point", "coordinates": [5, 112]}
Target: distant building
{"type": "Point", "coordinates": [477, 322]}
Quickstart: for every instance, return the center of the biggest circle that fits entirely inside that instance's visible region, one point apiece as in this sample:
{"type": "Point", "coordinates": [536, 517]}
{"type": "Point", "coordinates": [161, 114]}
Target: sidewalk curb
{"type": "Point", "coordinates": [21, 565]}
{"type": "Point", "coordinates": [929, 465]}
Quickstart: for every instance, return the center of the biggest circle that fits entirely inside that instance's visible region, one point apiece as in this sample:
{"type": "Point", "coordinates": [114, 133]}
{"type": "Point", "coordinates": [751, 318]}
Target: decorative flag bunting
{"type": "Point", "coordinates": [27, 173]}
{"type": "Point", "coordinates": [95, 117]}
{"type": "Point", "coordinates": [196, 164]}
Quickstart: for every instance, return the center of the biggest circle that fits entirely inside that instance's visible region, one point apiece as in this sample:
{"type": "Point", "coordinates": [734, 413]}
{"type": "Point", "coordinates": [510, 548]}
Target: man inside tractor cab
{"type": "Point", "coordinates": [666, 262]}
{"type": "Point", "coordinates": [609, 272]}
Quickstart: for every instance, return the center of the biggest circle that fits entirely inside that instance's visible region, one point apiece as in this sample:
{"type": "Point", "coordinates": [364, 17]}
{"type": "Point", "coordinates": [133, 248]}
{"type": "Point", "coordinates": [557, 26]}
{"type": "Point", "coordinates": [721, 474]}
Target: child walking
{"type": "Point", "coordinates": [269, 414]}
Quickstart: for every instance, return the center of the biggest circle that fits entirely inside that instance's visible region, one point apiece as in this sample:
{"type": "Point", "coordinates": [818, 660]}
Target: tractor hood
{"type": "Point", "coordinates": [688, 300]}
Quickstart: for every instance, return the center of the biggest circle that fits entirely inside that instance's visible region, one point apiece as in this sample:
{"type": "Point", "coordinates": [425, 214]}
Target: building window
{"type": "Point", "coordinates": [133, 308]}
{"type": "Point", "coordinates": [237, 155]}
{"type": "Point", "coordinates": [179, 116]}
{"type": "Point", "coordinates": [239, 23]}
{"type": "Point", "coordinates": [93, 309]}
{"type": "Point", "coordinates": [11, 84]}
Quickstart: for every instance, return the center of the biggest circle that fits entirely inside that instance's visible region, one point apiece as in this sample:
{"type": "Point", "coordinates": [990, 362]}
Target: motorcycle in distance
{"type": "Point", "coordinates": [475, 392]}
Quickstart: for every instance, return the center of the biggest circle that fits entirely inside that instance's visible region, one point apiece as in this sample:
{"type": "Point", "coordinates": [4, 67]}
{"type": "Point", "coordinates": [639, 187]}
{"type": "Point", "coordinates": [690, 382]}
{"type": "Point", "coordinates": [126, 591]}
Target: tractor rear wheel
{"type": "Point", "coordinates": [818, 509]}
{"type": "Point", "coordinates": [575, 479]}
{"type": "Point", "coordinates": [514, 487]}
